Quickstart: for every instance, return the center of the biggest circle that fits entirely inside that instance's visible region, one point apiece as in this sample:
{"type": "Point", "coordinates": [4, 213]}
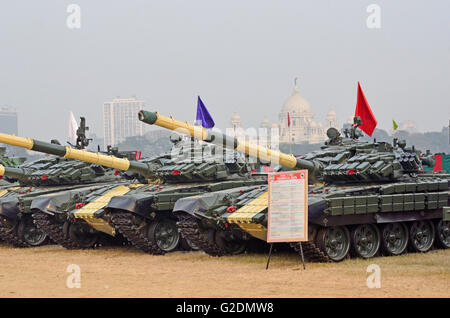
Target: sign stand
{"type": "Point", "coordinates": [301, 254]}
{"type": "Point", "coordinates": [270, 254]}
{"type": "Point", "coordinates": [287, 219]}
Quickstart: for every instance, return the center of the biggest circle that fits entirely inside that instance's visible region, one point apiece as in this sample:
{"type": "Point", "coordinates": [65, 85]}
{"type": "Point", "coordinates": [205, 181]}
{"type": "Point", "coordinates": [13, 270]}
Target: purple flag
{"type": "Point", "coordinates": [203, 115]}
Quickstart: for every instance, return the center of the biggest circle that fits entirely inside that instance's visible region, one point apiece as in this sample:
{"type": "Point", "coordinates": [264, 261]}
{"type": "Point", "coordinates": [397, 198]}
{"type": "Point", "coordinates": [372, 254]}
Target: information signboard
{"type": "Point", "coordinates": [288, 207]}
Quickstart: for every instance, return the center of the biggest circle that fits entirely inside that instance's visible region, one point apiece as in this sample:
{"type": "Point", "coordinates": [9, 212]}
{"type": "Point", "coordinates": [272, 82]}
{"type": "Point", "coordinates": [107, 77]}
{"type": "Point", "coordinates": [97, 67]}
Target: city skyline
{"type": "Point", "coordinates": [405, 125]}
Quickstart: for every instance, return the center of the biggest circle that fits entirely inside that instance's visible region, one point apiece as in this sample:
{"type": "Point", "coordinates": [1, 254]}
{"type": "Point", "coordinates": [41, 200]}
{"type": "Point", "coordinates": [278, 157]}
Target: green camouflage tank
{"type": "Point", "coordinates": [140, 210]}
{"type": "Point", "coordinates": [364, 198]}
{"type": "Point", "coordinates": [48, 175]}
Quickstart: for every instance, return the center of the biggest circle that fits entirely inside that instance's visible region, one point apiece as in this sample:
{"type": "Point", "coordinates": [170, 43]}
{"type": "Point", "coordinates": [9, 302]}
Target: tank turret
{"type": "Point", "coordinates": [340, 159]}
{"type": "Point", "coordinates": [185, 163]}
{"type": "Point", "coordinates": [77, 154]}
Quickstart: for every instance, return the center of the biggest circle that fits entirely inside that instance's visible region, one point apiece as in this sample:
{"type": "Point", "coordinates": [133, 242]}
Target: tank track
{"type": "Point", "coordinates": [11, 237]}
{"type": "Point", "coordinates": [54, 230]}
{"type": "Point", "coordinates": [123, 223]}
{"type": "Point", "coordinates": [189, 228]}
{"type": "Point", "coordinates": [311, 252]}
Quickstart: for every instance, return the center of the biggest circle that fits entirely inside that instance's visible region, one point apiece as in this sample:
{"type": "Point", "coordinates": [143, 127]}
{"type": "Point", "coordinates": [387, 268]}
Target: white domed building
{"type": "Point", "coordinates": [303, 128]}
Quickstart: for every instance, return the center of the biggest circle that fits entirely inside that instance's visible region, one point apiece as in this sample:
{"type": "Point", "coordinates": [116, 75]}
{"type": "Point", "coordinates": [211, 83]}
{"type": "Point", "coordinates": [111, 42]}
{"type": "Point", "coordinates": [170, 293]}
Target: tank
{"type": "Point", "coordinates": [364, 198]}
{"type": "Point", "coordinates": [48, 175]}
{"type": "Point", "coordinates": [7, 162]}
{"type": "Point", "coordinates": [140, 210]}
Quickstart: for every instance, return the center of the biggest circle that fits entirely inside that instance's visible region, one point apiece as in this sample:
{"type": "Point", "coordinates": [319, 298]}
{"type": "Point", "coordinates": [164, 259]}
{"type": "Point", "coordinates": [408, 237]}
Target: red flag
{"type": "Point", "coordinates": [363, 110]}
{"type": "Point", "coordinates": [438, 166]}
{"type": "Point", "coordinates": [289, 120]}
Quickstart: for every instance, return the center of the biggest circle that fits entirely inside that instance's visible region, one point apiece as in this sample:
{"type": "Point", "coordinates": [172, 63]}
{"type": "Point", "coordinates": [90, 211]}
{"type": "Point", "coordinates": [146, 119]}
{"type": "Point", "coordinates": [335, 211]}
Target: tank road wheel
{"type": "Point", "coordinates": [83, 235]}
{"type": "Point", "coordinates": [365, 240]}
{"type": "Point", "coordinates": [229, 243]}
{"type": "Point", "coordinates": [164, 234]}
{"type": "Point", "coordinates": [443, 234]}
{"type": "Point", "coordinates": [334, 241]}
{"type": "Point", "coordinates": [30, 233]}
{"type": "Point", "coordinates": [421, 234]}
{"type": "Point", "coordinates": [394, 238]}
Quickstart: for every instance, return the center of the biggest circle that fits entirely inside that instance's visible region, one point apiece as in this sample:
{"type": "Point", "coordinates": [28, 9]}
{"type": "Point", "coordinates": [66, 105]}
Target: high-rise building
{"type": "Point", "coordinates": [8, 120]}
{"type": "Point", "coordinates": [120, 120]}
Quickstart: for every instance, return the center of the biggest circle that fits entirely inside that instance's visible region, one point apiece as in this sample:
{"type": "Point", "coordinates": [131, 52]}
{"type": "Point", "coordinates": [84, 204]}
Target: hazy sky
{"type": "Point", "coordinates": [238, 55]}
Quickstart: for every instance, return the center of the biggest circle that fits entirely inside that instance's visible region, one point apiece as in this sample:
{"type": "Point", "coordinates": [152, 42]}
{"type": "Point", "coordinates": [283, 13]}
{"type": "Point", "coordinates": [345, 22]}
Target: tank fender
{"type": "Point", "coordinates": [316, 209]}
{"type": "Point", "coordinates": [9, 208]}
{"type": "Point", "coordinates": [200, 205]}
{"type": "Point", "coordinates": [51, 203]}
{"type": "Point", "coordinates": [190, 206]}
{"type": "Point", "coordinates": [132, 203]}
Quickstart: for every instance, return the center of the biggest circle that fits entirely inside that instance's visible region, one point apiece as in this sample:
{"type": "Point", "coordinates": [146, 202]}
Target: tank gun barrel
{"type": "Point", "coordinates": [77, 154]}
{"type": "Point", "coordinates": [198, 132]}
{"type": "Point", "coordinates": [13, 173]}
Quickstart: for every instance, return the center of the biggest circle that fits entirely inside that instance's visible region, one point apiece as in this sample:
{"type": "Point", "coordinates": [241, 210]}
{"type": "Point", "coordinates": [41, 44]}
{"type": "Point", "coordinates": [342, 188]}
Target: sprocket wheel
{"type": "Point", "coordinates": [231, 245]}
{"type": "Point", "coordinates": [334, 242]}
{"type": "Point", "coordinates": [30, 233]}
{"type": "Point", "coordinates": [187, 244]}
{"type": "Point", "coordinates": [83, 235]}
{"type": "Point", "coordinates": [164, 234]}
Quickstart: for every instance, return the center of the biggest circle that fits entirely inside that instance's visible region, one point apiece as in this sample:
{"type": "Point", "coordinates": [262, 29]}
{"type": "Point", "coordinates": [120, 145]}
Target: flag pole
{"type": "Point", "coordinates": [290, 140]}
{"type": "Point", "coordinates": [289, 132]}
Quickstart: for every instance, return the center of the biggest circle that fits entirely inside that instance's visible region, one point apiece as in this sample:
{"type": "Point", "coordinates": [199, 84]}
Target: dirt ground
{"type": "Point", "coordinates": [127, 272]}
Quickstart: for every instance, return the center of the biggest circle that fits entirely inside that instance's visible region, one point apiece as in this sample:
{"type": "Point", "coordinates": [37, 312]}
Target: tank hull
{"type": "Point", "coordinates": [349, 209]}
{"type": "Point", "coordinates": [109, 209]}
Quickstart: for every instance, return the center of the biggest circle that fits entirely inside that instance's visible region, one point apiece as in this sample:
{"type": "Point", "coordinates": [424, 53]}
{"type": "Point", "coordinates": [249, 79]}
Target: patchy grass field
{"type": "Point", "coordinates": [127, 272]}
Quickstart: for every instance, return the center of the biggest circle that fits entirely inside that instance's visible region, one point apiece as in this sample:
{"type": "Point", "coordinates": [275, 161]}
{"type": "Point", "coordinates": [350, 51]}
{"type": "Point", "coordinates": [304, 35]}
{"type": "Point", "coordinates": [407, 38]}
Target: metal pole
{"type": "Point", "coordinates": [290, 140]}
{"type": "Point", "coordinates": [270, 253]}
{"type": "Point", "coordinates": [301, 254]}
